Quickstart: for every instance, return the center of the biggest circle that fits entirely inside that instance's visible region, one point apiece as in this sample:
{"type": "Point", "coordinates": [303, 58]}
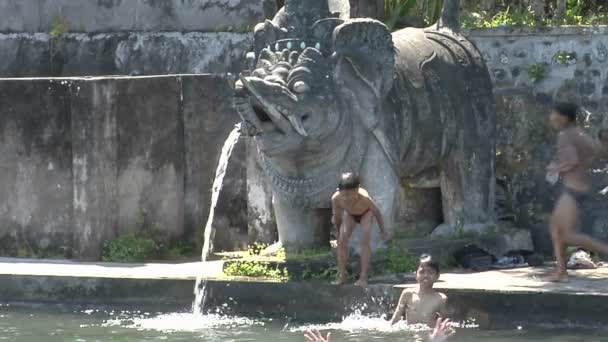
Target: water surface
{"type": "Point", "coordinates": [26, 325]}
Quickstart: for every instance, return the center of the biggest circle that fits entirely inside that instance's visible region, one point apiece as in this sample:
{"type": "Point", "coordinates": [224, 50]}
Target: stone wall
{"type": "Point", "coordinates": [92, 16]}
{"type": "Point", "coordinates": [84, 160]}
{"type": "Point", "coordinates": [531, 69]}
{"type": "Point", "coordinates": [42, 38]}
{"type": "Point", "coordinates": [56, 133]}
{"type": "Point", "coordinates": [144, 53]}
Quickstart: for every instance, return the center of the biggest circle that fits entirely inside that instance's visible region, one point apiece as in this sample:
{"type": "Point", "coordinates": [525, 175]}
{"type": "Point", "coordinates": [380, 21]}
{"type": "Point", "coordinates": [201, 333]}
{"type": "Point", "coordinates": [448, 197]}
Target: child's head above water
{"type": "Point", "coordinates": [349, 181]}
{"type": "Point", "coordinates": [428, 270]}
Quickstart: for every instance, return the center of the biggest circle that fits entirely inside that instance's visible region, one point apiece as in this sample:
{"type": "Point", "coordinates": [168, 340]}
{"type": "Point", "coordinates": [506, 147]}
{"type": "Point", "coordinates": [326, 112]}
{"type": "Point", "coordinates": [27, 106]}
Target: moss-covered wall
{"type": "Point", "coordinates": [531, 69]}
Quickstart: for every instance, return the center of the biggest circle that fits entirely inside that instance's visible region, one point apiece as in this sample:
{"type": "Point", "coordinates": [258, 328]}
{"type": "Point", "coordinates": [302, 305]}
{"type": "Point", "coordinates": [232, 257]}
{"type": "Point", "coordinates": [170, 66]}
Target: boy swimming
{"type": "Point", "coordinates": [352, 205]}
{"type": "Point", "coordinates": [422, 305]}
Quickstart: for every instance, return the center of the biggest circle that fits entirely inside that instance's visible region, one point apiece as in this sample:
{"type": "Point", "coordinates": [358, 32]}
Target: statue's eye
{"type": "Point", "coordinates": [300, 87]}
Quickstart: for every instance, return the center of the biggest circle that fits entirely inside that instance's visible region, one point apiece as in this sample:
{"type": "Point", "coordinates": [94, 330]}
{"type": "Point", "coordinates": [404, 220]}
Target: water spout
{"type": "Point", "coordinates": [218, 182]}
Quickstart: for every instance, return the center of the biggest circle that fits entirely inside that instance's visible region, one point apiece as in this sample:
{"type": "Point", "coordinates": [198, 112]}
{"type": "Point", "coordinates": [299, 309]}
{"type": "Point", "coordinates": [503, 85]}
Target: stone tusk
{"type": "Point", "coordinates": [297, 125]}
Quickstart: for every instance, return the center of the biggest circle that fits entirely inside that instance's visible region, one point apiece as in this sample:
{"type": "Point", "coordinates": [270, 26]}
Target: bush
{"type": "Point", "coordinates": [131, 247]}
{"type": "Point", "coordinates": [256, 269]}
{"type": "Point", "coordinates": [398, 258]}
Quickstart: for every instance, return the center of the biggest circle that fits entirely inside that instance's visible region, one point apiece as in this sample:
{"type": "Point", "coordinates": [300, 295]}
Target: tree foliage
{"type": "Point", "coordinates": [496, 13]}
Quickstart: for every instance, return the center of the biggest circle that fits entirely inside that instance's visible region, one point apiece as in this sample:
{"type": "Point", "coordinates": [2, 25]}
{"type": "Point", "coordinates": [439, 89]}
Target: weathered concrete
{"type": "Point", "coordinates": [36, 168]}
{"type": "Point", "coordinates": [94, 164]}
{"type": "Point", "coordinates": [125, 15]}
{"type": "Point", "coordinates": [40, 55]}
{"type": "Point", "coordinates": [150, 159]}
{"type": "Point", "coordinates": [89, 159]}
{"type": "Point", "coordinates": [204, 134]}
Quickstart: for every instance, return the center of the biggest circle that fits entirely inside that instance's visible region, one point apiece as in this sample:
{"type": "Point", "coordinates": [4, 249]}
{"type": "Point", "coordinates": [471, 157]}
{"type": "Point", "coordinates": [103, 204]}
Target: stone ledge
{"type": "Point", "coordinates": [121, 53]}
{"type": "Point", "coordinates": [115, 15]}
{"type": "Point", "coordinates": [546, 31]}
{"type": "Point", "coordinates": [494, 299]}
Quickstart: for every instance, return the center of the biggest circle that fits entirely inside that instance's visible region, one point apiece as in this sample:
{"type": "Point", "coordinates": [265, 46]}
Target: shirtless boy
{"type": "Point", "coordinates": [351, 205]}
{"type": "Point", "coordinates": [576, 152]}
{"type": "Point", "coordinates": [422, 305]}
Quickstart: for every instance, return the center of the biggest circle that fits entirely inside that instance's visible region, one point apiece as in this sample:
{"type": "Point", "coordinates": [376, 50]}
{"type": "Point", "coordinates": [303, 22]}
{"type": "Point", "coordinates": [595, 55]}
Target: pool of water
{"type": "Point", "coordinates": [27, 325]}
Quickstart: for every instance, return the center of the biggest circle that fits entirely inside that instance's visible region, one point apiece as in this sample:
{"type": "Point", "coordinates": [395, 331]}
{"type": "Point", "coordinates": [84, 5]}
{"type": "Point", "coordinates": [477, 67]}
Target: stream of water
{"type": "Point", "coordinates": [218, 182]}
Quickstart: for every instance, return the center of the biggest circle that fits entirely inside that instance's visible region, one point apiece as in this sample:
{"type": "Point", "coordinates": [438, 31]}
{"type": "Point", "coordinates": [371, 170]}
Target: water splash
{"type": "Point", "coordinates": [357, 322]}
{"type": "Point", "coordinates": [218, 182]}
{"type": "Point", "coordinates": [181, 322]}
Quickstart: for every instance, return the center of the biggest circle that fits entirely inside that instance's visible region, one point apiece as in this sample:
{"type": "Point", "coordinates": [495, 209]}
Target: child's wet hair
{"type": "Point", "coordinates": [427, 260]}
{"type": "Point", "coordinates": [567, 109]}
{"type": "Point", "coordinates": [349, 181]}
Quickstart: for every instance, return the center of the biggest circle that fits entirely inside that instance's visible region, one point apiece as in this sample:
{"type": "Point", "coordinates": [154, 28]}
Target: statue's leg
{"type": "Point", "coordinates": [467, 185]}
{"type": "Point", "coordinates": [301, 228]}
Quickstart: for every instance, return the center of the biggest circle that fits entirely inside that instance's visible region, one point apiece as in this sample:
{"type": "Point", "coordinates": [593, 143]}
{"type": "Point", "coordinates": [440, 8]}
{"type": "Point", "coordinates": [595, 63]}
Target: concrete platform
{"type": "Point", "coordinates": [492, 298]}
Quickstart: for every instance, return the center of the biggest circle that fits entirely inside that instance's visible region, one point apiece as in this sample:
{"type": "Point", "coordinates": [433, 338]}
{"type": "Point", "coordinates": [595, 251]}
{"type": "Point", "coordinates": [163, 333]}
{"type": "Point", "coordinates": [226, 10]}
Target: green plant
{"type": "Point", "coordinates": [311, 253]}
{"type": "Point", "coordinates": [256, 248]}
{"type": "Point", "coordinates": [328, 273]}
{"type": "Point", "coordinates": [517, 13]}
{"type": "Point", "coordinates": [564, 57]}
{"type": "Point", "coordinates": [256, 269]}
{"type": "Point", "coordinates": [399, 259]}
{"type": "Point", "coordinates": [537, 72]}
{"type": "Point", "coordinates": [508, 17]}
{"type": "Point", "coordinates": [178, 250]}
{"type": "Point", "coordinates": [130, 247]}
{"type": "Point", "coordinates": [59, 27]}
{"type": "Point", "coordinates": [446, 262]}
{"type": "Point", "coordinates": [428, 10]}
{"type": "Point", "coordinates": [395, 10]}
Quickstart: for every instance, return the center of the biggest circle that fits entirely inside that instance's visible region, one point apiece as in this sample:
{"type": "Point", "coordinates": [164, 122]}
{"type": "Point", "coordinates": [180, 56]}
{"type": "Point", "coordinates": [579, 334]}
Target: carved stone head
{"type": "Point", "coordinates": [315, 80]}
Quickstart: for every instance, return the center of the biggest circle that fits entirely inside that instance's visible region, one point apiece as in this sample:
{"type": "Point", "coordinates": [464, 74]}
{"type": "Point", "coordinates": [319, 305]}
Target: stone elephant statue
{"type": "Point", "coordinates": [413, 108]}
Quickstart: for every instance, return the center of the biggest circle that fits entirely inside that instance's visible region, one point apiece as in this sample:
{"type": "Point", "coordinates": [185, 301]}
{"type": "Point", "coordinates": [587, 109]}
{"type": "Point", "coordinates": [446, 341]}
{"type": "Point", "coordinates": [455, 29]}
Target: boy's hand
{"type": "Point", "coordinates": [442, 331]}
{"type": "Point", "coordinates": [385, 236]}
{"type": "Point", "coordinates": [316, 336]}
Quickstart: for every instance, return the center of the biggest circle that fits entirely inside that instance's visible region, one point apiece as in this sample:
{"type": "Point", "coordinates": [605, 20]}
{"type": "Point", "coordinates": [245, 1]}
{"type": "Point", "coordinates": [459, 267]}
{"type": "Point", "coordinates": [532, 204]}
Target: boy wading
{"type": "Point", "coordinates": [351, 205]}
{"type": "Point", "coordinates": [576, 152]}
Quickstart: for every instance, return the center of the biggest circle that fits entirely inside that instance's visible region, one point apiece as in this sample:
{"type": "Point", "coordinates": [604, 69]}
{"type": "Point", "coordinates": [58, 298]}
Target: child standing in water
{"type": "Point", "coordinates": [422, 305]}
{"type": "Point", "coordinates": [352, 205]}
